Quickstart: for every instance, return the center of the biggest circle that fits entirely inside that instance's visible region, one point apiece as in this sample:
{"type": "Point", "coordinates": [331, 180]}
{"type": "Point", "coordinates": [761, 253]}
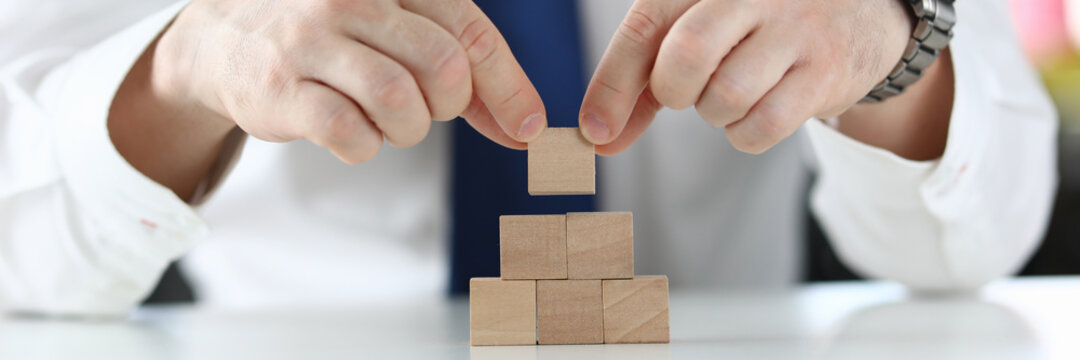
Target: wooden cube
{"type": "Point", "coordinates": [532, 246]}
{"type": "Point", "coordinates": [502, 312]}
{"type": "Point", "coordinates": [569, 312]}
{"type": "Point", "coordinates": [562, 162]}
{"type": "Point", "coordinates": [600, 245]}
{"type": "Point", "coordinates": [636, 310]}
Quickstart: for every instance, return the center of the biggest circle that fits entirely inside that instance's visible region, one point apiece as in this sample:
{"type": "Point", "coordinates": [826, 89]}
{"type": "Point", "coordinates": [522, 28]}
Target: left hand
{"type": "Point", "coordinates": [758, 68]}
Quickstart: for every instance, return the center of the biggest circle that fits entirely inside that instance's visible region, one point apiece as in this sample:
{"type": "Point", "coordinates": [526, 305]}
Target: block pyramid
{"type": "Point", "coordinates": [567, 278]}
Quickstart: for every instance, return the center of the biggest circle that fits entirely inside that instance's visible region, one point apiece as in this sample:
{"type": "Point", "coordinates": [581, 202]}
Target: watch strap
{"type": "Point", "coordinates": [933, 31]}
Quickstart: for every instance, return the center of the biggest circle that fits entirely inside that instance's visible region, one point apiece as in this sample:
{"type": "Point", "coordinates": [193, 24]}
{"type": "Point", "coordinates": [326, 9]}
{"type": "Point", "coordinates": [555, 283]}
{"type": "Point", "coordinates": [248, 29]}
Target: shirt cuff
{"type": "Point", "coordinates": [880, 176]}
{"type": "Point", "coordinates": [141, 218]}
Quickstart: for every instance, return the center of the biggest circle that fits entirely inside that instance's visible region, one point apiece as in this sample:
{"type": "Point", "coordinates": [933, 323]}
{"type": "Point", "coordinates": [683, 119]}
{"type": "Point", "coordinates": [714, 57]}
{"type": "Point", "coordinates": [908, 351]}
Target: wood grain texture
{"type": "Point", "coordinates": [502, 312]}
{"type": "Point", "coordinates": [532, 246]}
{"type": "Point", "coordinates": [600, 245]}
{"type": "Point", "coordinates": [636, 310]}
{"type": "Point", "coordinates": [569, 312]}
{"type": "Point", "coordinates": [562, 162]}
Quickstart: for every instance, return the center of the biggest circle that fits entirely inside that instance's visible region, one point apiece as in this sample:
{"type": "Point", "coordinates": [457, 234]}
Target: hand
{"type": "Point", "coordinates": [346, 74]}
{"type": "Point", "coordinates": [757, 68]}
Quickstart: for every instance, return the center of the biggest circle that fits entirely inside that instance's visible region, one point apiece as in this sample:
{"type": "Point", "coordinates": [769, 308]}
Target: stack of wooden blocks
{"type": "Point", "coordinates": [567, 279]}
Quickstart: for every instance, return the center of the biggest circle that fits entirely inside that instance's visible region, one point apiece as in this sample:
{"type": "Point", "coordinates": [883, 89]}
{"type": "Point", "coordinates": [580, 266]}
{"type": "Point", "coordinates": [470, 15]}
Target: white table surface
{"type": "Point", "coordinates": [1033, 318]}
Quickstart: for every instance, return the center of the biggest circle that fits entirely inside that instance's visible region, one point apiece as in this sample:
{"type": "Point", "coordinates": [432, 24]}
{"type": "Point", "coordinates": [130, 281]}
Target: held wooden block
{"type": "Point", "coordinates": [600, 245]}
{"type": "Point", "coordinates": [502, 312]}
{"type": "Point", "coordinates": [562, 162]}
{"type": "Point", "coordinates": [532, 246]}
{"type": "Point", "coordinates": [636, 310]}
{"type": "Point", "coordinates": [569, 312]}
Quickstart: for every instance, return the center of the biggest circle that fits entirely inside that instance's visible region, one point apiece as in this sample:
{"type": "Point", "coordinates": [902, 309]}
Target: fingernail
{"type": "Point", "coordinates": [595, 130]}
{"type": "Point", "coordinates": [531, 127]}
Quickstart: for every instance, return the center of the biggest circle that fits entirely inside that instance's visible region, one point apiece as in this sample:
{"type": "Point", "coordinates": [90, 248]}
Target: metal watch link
{"type": "Point", "coordinates": [933, 30]}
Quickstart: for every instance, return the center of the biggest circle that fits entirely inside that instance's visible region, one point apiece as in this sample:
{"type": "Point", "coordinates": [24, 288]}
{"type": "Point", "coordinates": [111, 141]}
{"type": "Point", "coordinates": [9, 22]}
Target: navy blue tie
{"type": "Point", "coordinates": [490, 180]}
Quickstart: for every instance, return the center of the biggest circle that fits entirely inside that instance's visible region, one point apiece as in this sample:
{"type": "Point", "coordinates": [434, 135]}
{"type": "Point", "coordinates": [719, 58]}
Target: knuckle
{"type": "Point", "coordinates": [729, 94]}
{"type": "Point", "coordinates": [345, 135]}
{"type": "Point", "coordinates": [639, 26]}
{"type": "Point", "coordinates": [768, 122]}
{"type": "Point", "coordinates": [481, 42]}
{"type": "Point", "coordinates": [687, 46]}
{"type": "Point", "coordinates": [394, 91]}
{"type": "Point", "coordinates": [337, 129]}
{"type": "Point", "coordinates": [452, 69]}
{"type": "Point", "coordinates": [760, 131]}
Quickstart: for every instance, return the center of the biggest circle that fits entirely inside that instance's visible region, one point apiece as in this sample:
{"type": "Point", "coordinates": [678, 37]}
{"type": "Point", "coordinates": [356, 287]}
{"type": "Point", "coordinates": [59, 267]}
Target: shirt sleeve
{"type": "Point", "coordinates": [970, 217]}
{"type": "Point", "coordinates": [82, 232]}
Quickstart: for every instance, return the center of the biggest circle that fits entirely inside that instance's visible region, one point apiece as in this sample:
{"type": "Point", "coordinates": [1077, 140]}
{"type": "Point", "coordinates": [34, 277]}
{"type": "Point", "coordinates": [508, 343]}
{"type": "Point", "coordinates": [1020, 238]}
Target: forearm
{"type": "Point", "coordinates": [913, 125]}
{"type": "Point", "coordinates": [88, 233]}
{"type": "Point", "coordinates": [159, 130]}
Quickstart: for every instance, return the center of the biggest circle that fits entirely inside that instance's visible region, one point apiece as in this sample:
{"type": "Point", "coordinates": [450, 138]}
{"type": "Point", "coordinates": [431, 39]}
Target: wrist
{"type": "Point", "coordinates": [160, 128]}
{"type": "Point", "coordinates": [175, 79]}
{"type": "Point", "coordinates": [913, 125]}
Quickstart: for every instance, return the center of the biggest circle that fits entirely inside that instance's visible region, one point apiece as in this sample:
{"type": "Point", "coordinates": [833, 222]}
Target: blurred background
{"type": "Point", "coordinates": [1050, 33]}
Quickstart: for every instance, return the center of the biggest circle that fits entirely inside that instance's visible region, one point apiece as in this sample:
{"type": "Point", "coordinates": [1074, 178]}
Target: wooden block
{"type": "Point", "coordinates": [600, 245]}
{"type": "Point", "coordinates": [502, 312]}
{"type": "Point", "coordinates": [636, 310]}
{"type": "Point", "coordinates": [532, 246]}
{"type": "Point", "coordinates": [562, 162]}
{"type": "Point", "coordinates": [569, 312]}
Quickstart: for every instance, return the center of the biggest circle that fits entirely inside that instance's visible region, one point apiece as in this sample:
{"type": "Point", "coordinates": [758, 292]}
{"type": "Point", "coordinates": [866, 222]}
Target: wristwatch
{"type": "Point", "coordinates": [933, 31]}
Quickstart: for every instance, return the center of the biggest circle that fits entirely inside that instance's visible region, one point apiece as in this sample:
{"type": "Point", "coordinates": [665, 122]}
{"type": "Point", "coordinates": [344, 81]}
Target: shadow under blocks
{"type": "Point", "coordinates": [567, 278]}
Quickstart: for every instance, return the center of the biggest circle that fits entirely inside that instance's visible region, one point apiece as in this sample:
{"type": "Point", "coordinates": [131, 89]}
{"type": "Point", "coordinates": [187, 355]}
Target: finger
{"type": "Point", "coordinates": [692, 50]}
{"type": "Point", "coordinates": [644, 112]}
{"type": "Point", "coordinates": [384, 89]}
{"type": "Point", "coordinates": [624, 69]}
{"type": "Point", "coordinates": [433, 56]}
{"type": "Point", "coordinates": [744, 77]}
{"type": "Point", "coordinates": [497, 78]}
{"type": "Point", "coordinates": [778, 114]}
{"type": "Point", "coordinates": [479, 117]}
{"type": "Point", "coordinates": [330, 119]}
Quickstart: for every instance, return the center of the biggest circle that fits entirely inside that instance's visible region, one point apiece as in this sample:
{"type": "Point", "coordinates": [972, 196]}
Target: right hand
{"type": "Point", "coordinates": [344, 74]}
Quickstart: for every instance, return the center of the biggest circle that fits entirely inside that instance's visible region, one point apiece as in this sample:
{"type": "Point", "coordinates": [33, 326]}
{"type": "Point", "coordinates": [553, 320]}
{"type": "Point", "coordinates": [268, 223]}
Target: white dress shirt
{"type": "Point", "coordinates": [83, 232]}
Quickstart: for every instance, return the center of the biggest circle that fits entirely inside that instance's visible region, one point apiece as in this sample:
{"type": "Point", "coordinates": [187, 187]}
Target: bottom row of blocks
{"type": "Point", "coordinates": [527, 312]}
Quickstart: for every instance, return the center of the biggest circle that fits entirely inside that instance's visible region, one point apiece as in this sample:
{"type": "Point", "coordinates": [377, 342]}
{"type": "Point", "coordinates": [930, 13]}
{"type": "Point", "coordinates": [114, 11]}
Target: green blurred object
{"type": "Point", "coordinates": [1062, 79]}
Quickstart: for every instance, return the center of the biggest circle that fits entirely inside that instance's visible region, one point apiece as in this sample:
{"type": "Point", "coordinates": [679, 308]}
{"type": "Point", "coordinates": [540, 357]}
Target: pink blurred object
{"type": "Point", "coordinates": [1041, 25]}
{"type": "Point", "coordinates": [1072, 21]}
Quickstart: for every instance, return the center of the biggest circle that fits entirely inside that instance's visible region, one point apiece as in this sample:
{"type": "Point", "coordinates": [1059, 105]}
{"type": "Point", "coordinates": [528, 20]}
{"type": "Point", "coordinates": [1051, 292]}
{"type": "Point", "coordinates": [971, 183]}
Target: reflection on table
{"type": "Point", "coordinates": [1011, 319]}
